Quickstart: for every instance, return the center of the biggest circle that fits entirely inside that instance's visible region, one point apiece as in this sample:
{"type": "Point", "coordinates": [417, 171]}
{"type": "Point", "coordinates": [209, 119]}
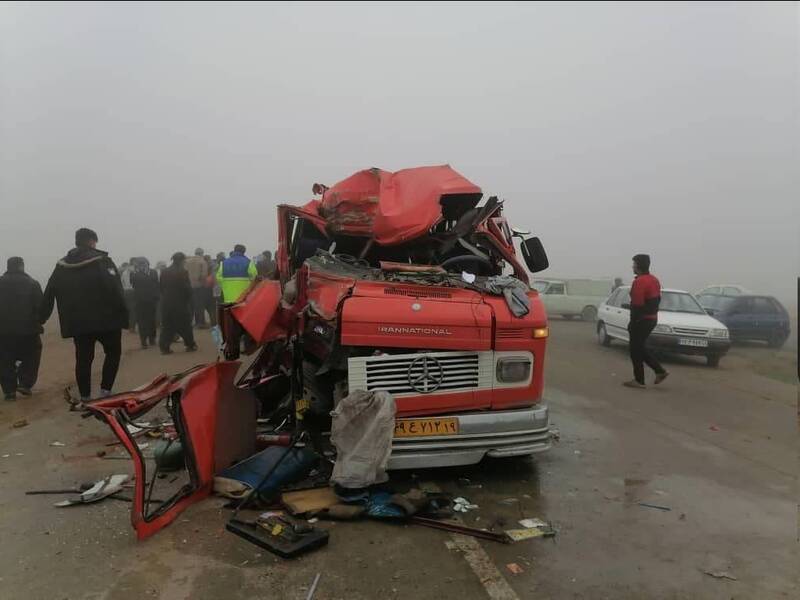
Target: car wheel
{"type": "Point", "coordinates": [713, 360]}
{"type": "Point", "coordinates": [589, 313]}
{"type": "Point", "coordinates": [776, 340]}
{"type": "Point", "coordinates": [602, 335]}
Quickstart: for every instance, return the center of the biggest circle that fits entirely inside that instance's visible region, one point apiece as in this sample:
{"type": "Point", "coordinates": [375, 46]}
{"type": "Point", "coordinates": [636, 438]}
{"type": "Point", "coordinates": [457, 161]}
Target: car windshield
{"type": "Point", "coordinates": [678, 302]}
{"type": "Point", "coordinates": [716, 302]}
{"type": "Point", "coordinates": [540, 286]}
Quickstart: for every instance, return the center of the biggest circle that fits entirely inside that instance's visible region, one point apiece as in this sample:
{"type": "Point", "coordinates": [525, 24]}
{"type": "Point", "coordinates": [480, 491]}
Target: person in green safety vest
{"type": "Point", "coordinates": [235, 274]}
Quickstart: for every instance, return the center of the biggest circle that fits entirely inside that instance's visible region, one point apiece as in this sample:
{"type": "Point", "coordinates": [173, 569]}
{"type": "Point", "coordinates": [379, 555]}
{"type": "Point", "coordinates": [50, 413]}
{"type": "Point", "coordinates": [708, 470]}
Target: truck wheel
{"type": "Point", "coordinates": [713, 360]}
{"type": "Point", "coordinates": [602, 336]}
{"type": "Point", "coordinates": [589, 313]}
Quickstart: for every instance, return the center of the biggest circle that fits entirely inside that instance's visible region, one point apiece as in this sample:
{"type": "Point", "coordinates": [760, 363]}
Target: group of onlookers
{"type": "Point", "coordinates": [96, 301]}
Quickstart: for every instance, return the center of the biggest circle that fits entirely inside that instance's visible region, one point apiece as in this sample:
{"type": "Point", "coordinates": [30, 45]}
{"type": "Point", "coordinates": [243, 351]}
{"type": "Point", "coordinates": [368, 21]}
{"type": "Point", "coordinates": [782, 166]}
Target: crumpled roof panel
{"type": "Point", "coordinates": [391, 207]}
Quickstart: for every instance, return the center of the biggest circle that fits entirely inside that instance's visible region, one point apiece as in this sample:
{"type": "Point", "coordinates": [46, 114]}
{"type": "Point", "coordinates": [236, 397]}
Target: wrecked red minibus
{"type": "Point", "coordinates": [405, 282]}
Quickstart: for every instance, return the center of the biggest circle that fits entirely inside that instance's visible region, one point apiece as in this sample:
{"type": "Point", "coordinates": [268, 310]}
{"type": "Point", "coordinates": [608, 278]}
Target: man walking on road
{"type": "Point", "coordinates": [235, 274]}
{"type": "Point", "coordinates": [197, 268]}
{"type": "Point", "coordinates": [125, 275]}
{"type": "Point", "coordinates": [146, 290]}
{"type": "Point", "coordinates": [645, 299]}
{"type": "Point", "coordinates": [20, 303]}
{"type": "Point", "coordinates": [91, 308]}
{"type": "Point", "coordinates": [176, 305]}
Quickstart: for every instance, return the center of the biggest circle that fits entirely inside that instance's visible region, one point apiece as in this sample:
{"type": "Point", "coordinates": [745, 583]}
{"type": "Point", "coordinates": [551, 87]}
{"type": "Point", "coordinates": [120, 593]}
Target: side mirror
{"type": "Point", "coordinates": [709, 311]}
{"type": "Point", "coordinates": [626, 305]}
{"type": "Point", "coordinates": [534, 255]}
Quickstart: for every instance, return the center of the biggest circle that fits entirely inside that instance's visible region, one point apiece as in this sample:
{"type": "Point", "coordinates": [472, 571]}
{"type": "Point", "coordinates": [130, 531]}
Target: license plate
{"type": "Point", "coordinates": [424, 427]}
{"type": "Point", "coordinates": [691, 342]}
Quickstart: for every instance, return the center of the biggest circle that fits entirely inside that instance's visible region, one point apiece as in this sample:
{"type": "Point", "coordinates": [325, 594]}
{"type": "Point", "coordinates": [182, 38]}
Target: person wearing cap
{"type": "Point", "coordinates": [645, 299]}
{"type": "Point", "coordinates": [176, 305]}
{"type": "Point", "coordinates": [235, 274]}
{"type": "Point", "coordinates": [197, 268]}
{"type": "Point", "coordinates": [20, 341]}
{"type": "Point", "coordinates": [91, 308]}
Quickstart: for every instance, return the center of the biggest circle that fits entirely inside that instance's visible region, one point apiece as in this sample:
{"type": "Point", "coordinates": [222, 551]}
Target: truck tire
{"type": "Point", "coordinates": [602, 335]}
{"type": "Point", "coordinates": [712, 360]}
{"type": "Point", "coordinates": [589, 313]}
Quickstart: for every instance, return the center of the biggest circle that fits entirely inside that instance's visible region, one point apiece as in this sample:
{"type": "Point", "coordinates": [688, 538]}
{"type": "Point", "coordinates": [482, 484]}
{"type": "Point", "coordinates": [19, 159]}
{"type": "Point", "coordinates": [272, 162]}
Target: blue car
{"type": "Point", "coordinates": [749, 317]}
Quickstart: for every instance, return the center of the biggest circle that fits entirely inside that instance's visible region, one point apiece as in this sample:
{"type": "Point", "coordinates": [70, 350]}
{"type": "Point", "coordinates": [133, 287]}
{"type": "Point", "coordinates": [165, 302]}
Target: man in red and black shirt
{"type": "Point", "coordinates": [645, 298]}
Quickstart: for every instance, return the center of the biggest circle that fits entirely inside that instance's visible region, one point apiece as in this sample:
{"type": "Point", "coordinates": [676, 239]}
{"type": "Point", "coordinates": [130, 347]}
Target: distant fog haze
{"type": "Point", "coordinates": [610, 129]}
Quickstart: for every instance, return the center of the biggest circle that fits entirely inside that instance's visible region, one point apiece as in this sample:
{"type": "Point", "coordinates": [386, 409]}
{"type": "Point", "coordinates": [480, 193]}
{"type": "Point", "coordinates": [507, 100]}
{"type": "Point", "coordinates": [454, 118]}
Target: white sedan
{"type": "Point", "coordinates": [683, 326]}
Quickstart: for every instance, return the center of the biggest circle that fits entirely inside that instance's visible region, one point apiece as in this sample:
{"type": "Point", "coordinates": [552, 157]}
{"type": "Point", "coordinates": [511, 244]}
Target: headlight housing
{"type": "Point", "coordinates": [720, 333]}
{"type": "Point", "coordinates": [514, 369]}
{"type": "Point", "coordinates": [662, 329]}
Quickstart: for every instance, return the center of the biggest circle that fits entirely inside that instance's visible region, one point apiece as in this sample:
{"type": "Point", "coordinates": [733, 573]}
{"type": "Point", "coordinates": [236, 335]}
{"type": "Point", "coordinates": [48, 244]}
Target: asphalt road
{"type": "Point", "coordinates": [715, 446]}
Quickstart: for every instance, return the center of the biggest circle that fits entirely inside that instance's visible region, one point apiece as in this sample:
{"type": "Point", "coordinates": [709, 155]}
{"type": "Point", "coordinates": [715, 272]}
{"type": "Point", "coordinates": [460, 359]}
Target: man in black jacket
{"type": "Point", "coordinates": [145, 293]}
{"type": "Point", "coordinates": [91, 309]}
{"type": "Point", "coordinates": [20, 303]}
{"type": "Point", "coordinates": [176, 305]}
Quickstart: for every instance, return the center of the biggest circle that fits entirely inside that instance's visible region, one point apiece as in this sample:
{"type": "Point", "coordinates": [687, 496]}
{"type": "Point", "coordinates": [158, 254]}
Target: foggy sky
{"type": "Point", "coordinates": [609, 129]}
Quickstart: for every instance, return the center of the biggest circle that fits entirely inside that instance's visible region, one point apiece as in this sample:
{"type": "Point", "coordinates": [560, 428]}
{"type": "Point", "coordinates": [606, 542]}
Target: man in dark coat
{"type": "Point", "coordinates": [20, 303]}
{"type": "Point", "coordinates": [146, 291]}
{"type": "Point", "coordinates": [91, 309]}
{"type": "Point", "coordinates": [176, 305]}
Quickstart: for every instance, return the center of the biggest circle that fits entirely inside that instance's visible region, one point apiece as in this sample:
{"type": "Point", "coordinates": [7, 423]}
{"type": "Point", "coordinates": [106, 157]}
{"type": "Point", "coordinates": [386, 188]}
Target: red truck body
{"type": "Point", "coordinates": [403, 282]}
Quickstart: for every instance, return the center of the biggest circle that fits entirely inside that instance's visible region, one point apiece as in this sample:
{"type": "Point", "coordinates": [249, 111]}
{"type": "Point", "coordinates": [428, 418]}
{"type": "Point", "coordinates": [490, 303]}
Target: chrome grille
{"type": "Point", "coordinates": [459, 371]}
{"type": "Point", "coordinates": [690, 331]}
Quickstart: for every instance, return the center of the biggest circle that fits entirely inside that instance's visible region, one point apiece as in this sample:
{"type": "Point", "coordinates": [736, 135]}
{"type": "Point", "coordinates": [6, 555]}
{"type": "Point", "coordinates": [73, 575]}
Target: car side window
{"type": "Point", "coordinates": [741, 306]}
{"type": "Point", "coordinates": [730, 291]}
{"type": "Point", "coordinates": [612, 299]}
{"type": "Point", "coordinates": [711, 290]}
{"type": "Point", "coordinates": [556, 288]}
{"type": "Point", "coordinates": [777, 306]}
{"type": "Point", "coordinates": [763, 306]}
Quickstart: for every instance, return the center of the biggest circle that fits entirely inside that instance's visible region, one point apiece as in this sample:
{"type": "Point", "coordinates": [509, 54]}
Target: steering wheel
{"type": "Point", "coordinates": [469, 263]}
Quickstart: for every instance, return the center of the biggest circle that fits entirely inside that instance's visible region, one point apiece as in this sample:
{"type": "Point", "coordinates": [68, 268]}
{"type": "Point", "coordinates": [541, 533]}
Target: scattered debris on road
{"type": "Point", "coordinates": [109, 486]}
{"type": "Point", "coordinates": [656, 506]}
{"type": "Point", "coordinates": [515, 569]}
{"type": "Point", "coordinates": [313, 588]}
{"type": "Point", "coordinates": [19, 423]}
{"type": "Point", "coordinates": [720, 575]}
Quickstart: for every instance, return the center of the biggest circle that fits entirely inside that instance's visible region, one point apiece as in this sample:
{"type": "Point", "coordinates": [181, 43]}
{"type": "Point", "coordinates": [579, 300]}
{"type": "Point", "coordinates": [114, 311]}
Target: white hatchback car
{"type": "Point", "coordinates": [683, 326]}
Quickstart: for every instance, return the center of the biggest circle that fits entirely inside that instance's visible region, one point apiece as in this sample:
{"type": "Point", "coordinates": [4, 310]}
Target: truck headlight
{"type": "Point", "coordinates": [662, 329]}
{"type": "Point", "coordinates": [513, 370]}
{"type": "Point", "coordinates": [720, 333]}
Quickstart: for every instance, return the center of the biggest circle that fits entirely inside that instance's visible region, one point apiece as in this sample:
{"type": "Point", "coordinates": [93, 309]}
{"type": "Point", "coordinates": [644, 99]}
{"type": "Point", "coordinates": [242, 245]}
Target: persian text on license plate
{"type": "Point", "coordinates": [691, 342]}
{"type": "Point", "coordinates": [423, 427]}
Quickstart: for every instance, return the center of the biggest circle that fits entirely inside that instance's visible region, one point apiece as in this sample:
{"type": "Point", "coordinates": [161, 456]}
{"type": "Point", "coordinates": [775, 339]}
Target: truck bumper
{"type": "Point", "coordinates": [490, 433]}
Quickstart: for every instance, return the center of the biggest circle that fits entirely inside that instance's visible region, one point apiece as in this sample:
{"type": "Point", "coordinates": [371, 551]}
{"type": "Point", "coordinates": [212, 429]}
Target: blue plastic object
{"type": "Point", "coordinates": [380, 506]}
{"type": "Point", "coordinates": [297, 464]}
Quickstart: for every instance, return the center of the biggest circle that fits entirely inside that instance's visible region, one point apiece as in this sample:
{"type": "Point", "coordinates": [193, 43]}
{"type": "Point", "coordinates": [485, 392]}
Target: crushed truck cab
{"type": "Point", "coordinates": [404, 282]}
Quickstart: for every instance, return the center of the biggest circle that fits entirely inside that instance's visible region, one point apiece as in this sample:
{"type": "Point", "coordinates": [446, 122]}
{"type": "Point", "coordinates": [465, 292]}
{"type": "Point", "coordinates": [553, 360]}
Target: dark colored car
{"type": "Point", "coordinates": [750, 317]}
